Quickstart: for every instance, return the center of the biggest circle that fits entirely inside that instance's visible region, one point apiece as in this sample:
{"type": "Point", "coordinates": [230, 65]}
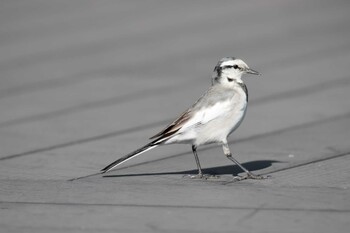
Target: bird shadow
{"type": "Point", "coordinates": [221, 170]}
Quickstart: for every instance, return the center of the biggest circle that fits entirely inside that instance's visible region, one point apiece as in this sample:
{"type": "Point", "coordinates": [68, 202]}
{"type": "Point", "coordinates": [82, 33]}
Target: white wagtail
{"type": "Point", "coordinates": [211, 119]}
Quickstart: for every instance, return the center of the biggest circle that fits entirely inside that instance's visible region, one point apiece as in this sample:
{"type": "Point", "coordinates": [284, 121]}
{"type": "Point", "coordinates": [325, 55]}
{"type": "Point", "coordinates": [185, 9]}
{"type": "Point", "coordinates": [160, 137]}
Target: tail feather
{"type": "Point", "coordinates": [125, 158]}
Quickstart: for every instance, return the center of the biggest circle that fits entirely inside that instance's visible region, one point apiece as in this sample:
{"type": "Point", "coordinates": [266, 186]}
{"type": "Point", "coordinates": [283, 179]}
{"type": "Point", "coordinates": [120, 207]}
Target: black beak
{"type": "Point", "coordinates": [250, 71]}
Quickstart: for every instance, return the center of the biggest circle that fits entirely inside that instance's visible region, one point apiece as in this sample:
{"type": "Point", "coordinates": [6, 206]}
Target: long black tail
{"type": "Point", "coordinates": [125, 158]}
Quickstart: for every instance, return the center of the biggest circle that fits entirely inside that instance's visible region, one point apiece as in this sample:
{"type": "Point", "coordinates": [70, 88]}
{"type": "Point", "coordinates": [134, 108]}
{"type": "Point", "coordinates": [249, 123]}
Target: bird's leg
{"type": "Point", "coordinates": [200, 174]}
{"type": "Point", "coordinates": [249, 175]}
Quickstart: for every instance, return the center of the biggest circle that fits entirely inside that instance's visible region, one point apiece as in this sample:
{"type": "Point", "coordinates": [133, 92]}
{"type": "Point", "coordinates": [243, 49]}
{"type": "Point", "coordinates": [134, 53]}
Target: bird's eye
{"type": "Point", "coordinates": [230, 67]}
{"type": "Point", "coordinates": [229, 79]}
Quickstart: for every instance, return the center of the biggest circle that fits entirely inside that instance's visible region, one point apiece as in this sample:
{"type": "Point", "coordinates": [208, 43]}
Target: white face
{"type": "Point", "coordinates": [230, 71]}
{"type": "Point", "coordinates": [233, 68]}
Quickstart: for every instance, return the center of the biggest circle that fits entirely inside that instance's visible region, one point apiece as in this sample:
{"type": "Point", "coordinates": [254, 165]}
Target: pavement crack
{"type": "Point", "coordinates": [334, 156]}
{"type": "Point", "coordinates": [127, 205]}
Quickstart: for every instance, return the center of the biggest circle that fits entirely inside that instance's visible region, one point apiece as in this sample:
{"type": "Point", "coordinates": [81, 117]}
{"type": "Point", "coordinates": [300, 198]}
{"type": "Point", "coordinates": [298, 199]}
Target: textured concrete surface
{"type": "Point", "coordinates": [85, 82]}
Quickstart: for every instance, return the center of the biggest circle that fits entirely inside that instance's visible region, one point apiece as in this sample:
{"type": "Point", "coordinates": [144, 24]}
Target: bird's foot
{"type": "Point", "coordinates": [202, 176]}
{"type": "Point", "coordinates": [256, 177]}
{"type": "Point", "coordinates": [250, 176]}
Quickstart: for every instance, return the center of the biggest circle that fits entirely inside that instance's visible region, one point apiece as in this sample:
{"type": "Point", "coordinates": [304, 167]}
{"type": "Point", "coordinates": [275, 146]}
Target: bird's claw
{"type": "Point", "coordinates": [202, 176]}
{"type": "Point", "coordinates": [250, 176]}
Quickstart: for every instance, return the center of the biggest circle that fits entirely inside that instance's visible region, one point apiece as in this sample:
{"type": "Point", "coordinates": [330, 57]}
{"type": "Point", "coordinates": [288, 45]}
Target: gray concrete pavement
{"type": "Point", "coordinates": [84, 82]}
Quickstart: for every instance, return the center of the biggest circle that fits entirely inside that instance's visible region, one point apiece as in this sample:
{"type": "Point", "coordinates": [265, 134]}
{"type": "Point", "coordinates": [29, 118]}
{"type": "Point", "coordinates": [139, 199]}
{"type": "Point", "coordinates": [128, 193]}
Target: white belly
{"type": "Point", "coordinates": [218, 129]}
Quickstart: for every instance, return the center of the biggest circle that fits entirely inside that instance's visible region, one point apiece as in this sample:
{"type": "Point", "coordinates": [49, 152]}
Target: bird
{"type": "Point", "coordinates": [211, 119]}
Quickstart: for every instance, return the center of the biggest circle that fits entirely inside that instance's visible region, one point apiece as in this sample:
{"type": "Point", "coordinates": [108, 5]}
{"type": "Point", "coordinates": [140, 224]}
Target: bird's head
{"type": "Point", "coordinates": [229, 70]}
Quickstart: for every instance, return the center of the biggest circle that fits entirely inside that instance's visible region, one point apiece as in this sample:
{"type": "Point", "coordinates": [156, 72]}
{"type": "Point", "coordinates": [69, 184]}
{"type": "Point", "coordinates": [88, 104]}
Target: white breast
{"type": "Point", "coordinates": [221, 127]}
{"type": "Point", "coordinates": [215, 123]}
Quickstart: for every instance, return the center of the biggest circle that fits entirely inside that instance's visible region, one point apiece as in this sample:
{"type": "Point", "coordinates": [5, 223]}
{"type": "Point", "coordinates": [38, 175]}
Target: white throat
{"type": "Point", "coordinates": [232, 75]}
